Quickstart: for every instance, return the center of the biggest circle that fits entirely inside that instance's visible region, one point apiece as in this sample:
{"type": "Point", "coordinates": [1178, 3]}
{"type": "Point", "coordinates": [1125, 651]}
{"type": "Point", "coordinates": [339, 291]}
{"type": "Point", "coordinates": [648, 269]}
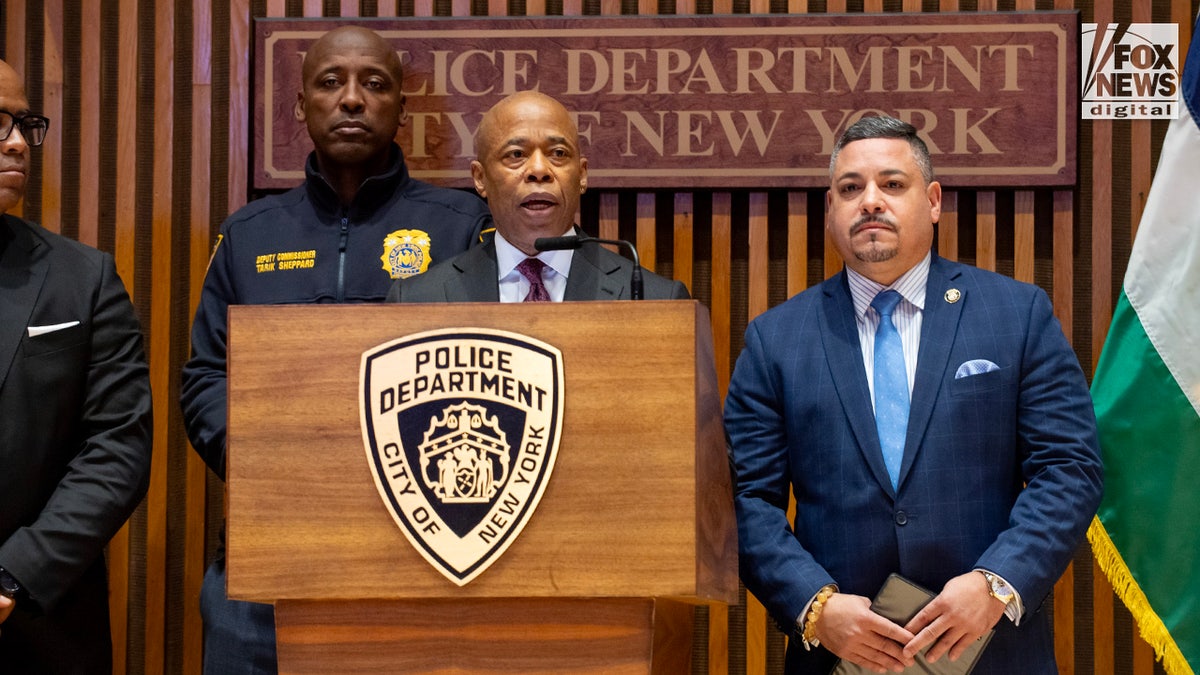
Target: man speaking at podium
{"type": "Point", "coordinates": [530, 169]}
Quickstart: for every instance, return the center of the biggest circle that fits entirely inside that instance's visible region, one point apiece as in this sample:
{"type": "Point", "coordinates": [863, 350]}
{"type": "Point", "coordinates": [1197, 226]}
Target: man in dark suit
{"type": "Point", "coordinates": [530, 169]}
{"type": "Point", "coordinates": [975, 477]}
{"type": "Point", "coordinates": [75, 424]}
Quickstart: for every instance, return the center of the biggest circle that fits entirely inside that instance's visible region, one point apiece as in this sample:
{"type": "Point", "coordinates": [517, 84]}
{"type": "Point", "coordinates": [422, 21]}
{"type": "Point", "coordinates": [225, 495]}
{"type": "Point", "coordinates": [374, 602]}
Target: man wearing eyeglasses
{"type": "Point", "coordinates": [75, 424]}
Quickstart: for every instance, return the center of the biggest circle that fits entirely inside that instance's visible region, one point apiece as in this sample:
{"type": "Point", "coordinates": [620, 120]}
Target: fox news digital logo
{"type": "Point", "coordinates": [1130, 71]}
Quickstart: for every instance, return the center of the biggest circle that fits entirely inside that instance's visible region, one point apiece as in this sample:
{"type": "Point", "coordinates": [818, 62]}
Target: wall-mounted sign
{"type": "Point", "coordinates": [715, 101]}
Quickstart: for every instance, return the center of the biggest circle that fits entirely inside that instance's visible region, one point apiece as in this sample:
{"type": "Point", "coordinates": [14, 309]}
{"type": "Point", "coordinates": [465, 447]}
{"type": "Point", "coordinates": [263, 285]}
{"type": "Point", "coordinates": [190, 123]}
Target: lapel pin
{"type": "Point", "coordinates": [953, 295]}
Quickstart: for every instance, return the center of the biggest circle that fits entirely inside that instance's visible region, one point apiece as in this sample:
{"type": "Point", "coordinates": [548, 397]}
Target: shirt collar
{"type": "Point", "coordinates": [509, 256]}
{"type": "Point", "coordinates": [910, 286]}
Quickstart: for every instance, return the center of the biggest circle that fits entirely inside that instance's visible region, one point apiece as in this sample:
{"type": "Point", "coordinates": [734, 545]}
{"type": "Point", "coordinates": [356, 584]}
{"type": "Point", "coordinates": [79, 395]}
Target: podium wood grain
{"type": "Point", "coordinates": [488, 635]}
{"type": "Point", "coordinates": [639, 505]}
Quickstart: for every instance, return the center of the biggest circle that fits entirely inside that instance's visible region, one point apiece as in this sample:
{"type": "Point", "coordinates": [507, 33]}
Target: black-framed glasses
{"type": "Point", "coordinates": [33, 127]}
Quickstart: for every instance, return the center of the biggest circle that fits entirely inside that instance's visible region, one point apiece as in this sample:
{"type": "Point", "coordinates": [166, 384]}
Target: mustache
{"type": "Point", "coordinates": [872, 219]}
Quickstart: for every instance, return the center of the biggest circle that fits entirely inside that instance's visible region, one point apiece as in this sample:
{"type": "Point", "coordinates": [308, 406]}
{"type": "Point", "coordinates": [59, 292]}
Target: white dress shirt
{"type": "Point", "coordinates": [514, 286]}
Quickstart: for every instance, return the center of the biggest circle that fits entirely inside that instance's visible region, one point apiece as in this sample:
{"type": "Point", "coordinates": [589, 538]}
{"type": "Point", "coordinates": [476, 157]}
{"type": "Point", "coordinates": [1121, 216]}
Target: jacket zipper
{"type": "Point", "coordinates": [341, 282]}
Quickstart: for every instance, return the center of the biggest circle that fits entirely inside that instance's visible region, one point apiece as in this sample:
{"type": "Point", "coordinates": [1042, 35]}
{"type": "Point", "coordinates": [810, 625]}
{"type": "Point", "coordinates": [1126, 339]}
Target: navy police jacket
{"type": "Point", "coordinates": [303, 246]}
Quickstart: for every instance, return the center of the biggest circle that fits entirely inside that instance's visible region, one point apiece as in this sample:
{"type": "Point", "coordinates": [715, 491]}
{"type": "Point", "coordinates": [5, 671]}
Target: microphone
{"type": "Point", "coordinates": [573, 242]}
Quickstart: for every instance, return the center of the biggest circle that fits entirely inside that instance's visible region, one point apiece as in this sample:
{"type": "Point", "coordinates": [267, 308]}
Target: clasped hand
{"type": "Point", "coordinates": [962, 613]}
{"type": "Point", "coordinates": [6, 607]}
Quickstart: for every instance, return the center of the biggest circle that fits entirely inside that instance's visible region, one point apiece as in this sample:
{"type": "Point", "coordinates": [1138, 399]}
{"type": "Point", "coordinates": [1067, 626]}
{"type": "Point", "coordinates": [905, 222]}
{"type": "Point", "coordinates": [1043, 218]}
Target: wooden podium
{"type": "Point", "coordinates": [634, 528]}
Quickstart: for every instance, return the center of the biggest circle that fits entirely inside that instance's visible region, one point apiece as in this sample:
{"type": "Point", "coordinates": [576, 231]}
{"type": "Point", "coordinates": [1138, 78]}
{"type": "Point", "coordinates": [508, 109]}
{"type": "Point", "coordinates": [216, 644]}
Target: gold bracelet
{"type": "Point", "coordinates": [814, 612]}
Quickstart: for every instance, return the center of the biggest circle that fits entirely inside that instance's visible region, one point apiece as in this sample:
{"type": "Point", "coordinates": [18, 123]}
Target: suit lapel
{"type": "Point", "coordinates": [939, 326]}
{"type": "Point", "coordinates": [844, 356]}
{"type": "Point", "coordinates": [478, 279]}
{"type": "Point", "coordinates": [592, 277]}
{"type": "Point", "coordinates": [22, 274]}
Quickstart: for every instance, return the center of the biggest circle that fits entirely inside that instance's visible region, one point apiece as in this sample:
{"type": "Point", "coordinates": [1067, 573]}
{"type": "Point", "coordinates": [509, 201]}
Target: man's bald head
{"type": "Point", "coordinates": [529, 167]}
{"type": "Point", "coordinates": [338, 39]}
{"type": "Point", "coordinates": [352, 103]}
{"type": "Point", "coordinates": [9, 76]}
{"type": "Point", "coordinates": [496, 119]}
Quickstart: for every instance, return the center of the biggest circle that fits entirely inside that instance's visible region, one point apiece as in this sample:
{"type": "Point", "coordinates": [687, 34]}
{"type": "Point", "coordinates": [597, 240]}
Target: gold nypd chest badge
{"type": "Point", "coordinates": [405, 253]}
{"type": "Point", "coordinates": [461, 429]}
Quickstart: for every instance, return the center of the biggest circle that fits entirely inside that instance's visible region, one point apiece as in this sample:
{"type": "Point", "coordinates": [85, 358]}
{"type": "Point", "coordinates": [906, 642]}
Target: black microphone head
{"type": "Point", "coordinates": [558, 243]}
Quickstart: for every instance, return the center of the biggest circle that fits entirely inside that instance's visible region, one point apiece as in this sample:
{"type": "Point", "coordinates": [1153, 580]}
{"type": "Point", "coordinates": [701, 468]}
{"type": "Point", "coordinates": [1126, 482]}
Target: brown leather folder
{"type": "Point", "coordinates": [900, 600]}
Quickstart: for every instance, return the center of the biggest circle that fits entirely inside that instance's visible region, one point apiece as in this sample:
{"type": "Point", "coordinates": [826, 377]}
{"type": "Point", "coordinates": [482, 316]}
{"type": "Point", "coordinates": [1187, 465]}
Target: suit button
{"type": "Point", "coordinates": [901, 518]}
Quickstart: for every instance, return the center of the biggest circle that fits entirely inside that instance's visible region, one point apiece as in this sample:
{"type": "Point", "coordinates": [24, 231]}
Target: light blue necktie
{"type": "Point", "coordinates": [891, 385]}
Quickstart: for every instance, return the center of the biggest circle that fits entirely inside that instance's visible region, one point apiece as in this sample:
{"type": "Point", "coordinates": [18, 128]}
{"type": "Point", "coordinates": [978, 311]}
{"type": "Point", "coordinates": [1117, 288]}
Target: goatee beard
{"type": "Point", "coordinates": [876, 252]}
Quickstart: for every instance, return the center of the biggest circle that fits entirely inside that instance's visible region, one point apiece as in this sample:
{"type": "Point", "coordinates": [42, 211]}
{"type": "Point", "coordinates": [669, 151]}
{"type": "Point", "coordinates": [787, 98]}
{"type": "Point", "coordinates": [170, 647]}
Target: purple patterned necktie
{"type": "Point", "coordinates": [531, 269]}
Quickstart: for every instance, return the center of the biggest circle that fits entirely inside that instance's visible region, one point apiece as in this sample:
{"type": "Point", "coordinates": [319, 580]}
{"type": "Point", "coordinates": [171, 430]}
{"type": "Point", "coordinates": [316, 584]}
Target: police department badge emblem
{"type": "Point", "coordinates": [405, 253]}
{"type": "Point", "coordinates": [461, 428]}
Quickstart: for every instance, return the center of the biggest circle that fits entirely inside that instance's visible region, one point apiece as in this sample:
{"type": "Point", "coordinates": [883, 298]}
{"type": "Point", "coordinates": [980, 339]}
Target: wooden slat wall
{"type": "Point", "coordinates": [149, 151]}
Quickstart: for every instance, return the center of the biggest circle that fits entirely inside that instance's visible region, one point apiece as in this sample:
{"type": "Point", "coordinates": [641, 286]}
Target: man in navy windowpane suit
{"type": "Point", "coordinates": [994, 474]}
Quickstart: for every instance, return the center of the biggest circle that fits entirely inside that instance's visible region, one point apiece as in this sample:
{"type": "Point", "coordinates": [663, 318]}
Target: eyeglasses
{"type": "Point", "coordinates": [33, 127]}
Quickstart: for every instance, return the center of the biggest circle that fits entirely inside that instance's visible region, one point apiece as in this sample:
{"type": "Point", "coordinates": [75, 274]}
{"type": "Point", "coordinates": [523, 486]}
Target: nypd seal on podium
{"type": "Point", "coordinates": [461, 428]}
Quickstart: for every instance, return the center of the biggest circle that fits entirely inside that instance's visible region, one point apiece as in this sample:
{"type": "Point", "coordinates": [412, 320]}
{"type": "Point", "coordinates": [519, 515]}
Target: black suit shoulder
{"type": "Point", "coordinates": [470, 276]}
{"type": "Point", "coordinates": [620, 268]}
{"type": "Point", "coordinates": [59, 250]}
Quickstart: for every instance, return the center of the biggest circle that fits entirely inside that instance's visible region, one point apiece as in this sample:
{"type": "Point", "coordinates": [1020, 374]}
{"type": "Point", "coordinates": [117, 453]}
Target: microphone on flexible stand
{"type": "Point", "coordinates": [572, 242]}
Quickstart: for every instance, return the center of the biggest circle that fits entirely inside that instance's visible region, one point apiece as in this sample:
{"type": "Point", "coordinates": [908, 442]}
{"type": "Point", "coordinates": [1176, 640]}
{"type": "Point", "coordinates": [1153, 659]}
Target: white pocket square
{"type": "Point", "coordinates": [35, 331]}
{"type": "Point", "coordinates": [975, 367]}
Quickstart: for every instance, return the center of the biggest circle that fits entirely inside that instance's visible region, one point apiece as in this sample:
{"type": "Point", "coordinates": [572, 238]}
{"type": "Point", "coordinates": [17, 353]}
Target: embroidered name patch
{"type": "Point", "coordinates": [285, 260]}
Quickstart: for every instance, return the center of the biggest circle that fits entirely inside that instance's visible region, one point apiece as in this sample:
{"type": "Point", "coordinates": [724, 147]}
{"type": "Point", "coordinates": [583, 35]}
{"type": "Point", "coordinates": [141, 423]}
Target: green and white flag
{"type": "Point", "coordinates": [1146, 536]}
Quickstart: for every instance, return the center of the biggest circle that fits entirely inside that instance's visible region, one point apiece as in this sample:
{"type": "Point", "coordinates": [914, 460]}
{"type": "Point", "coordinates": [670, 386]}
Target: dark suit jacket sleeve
{"type": "Point", "coordinates": [96, 385]}
{"type": "Point", "coordinates": [1058, 451]}
{"type": "Point", "coordinates": [203, 393]}
{"type": "Point", "coordinates": [774, 565]}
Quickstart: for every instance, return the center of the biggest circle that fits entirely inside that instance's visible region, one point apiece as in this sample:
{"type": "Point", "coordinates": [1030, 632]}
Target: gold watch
{"type": "Point", "coordinates": [999, 588]}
